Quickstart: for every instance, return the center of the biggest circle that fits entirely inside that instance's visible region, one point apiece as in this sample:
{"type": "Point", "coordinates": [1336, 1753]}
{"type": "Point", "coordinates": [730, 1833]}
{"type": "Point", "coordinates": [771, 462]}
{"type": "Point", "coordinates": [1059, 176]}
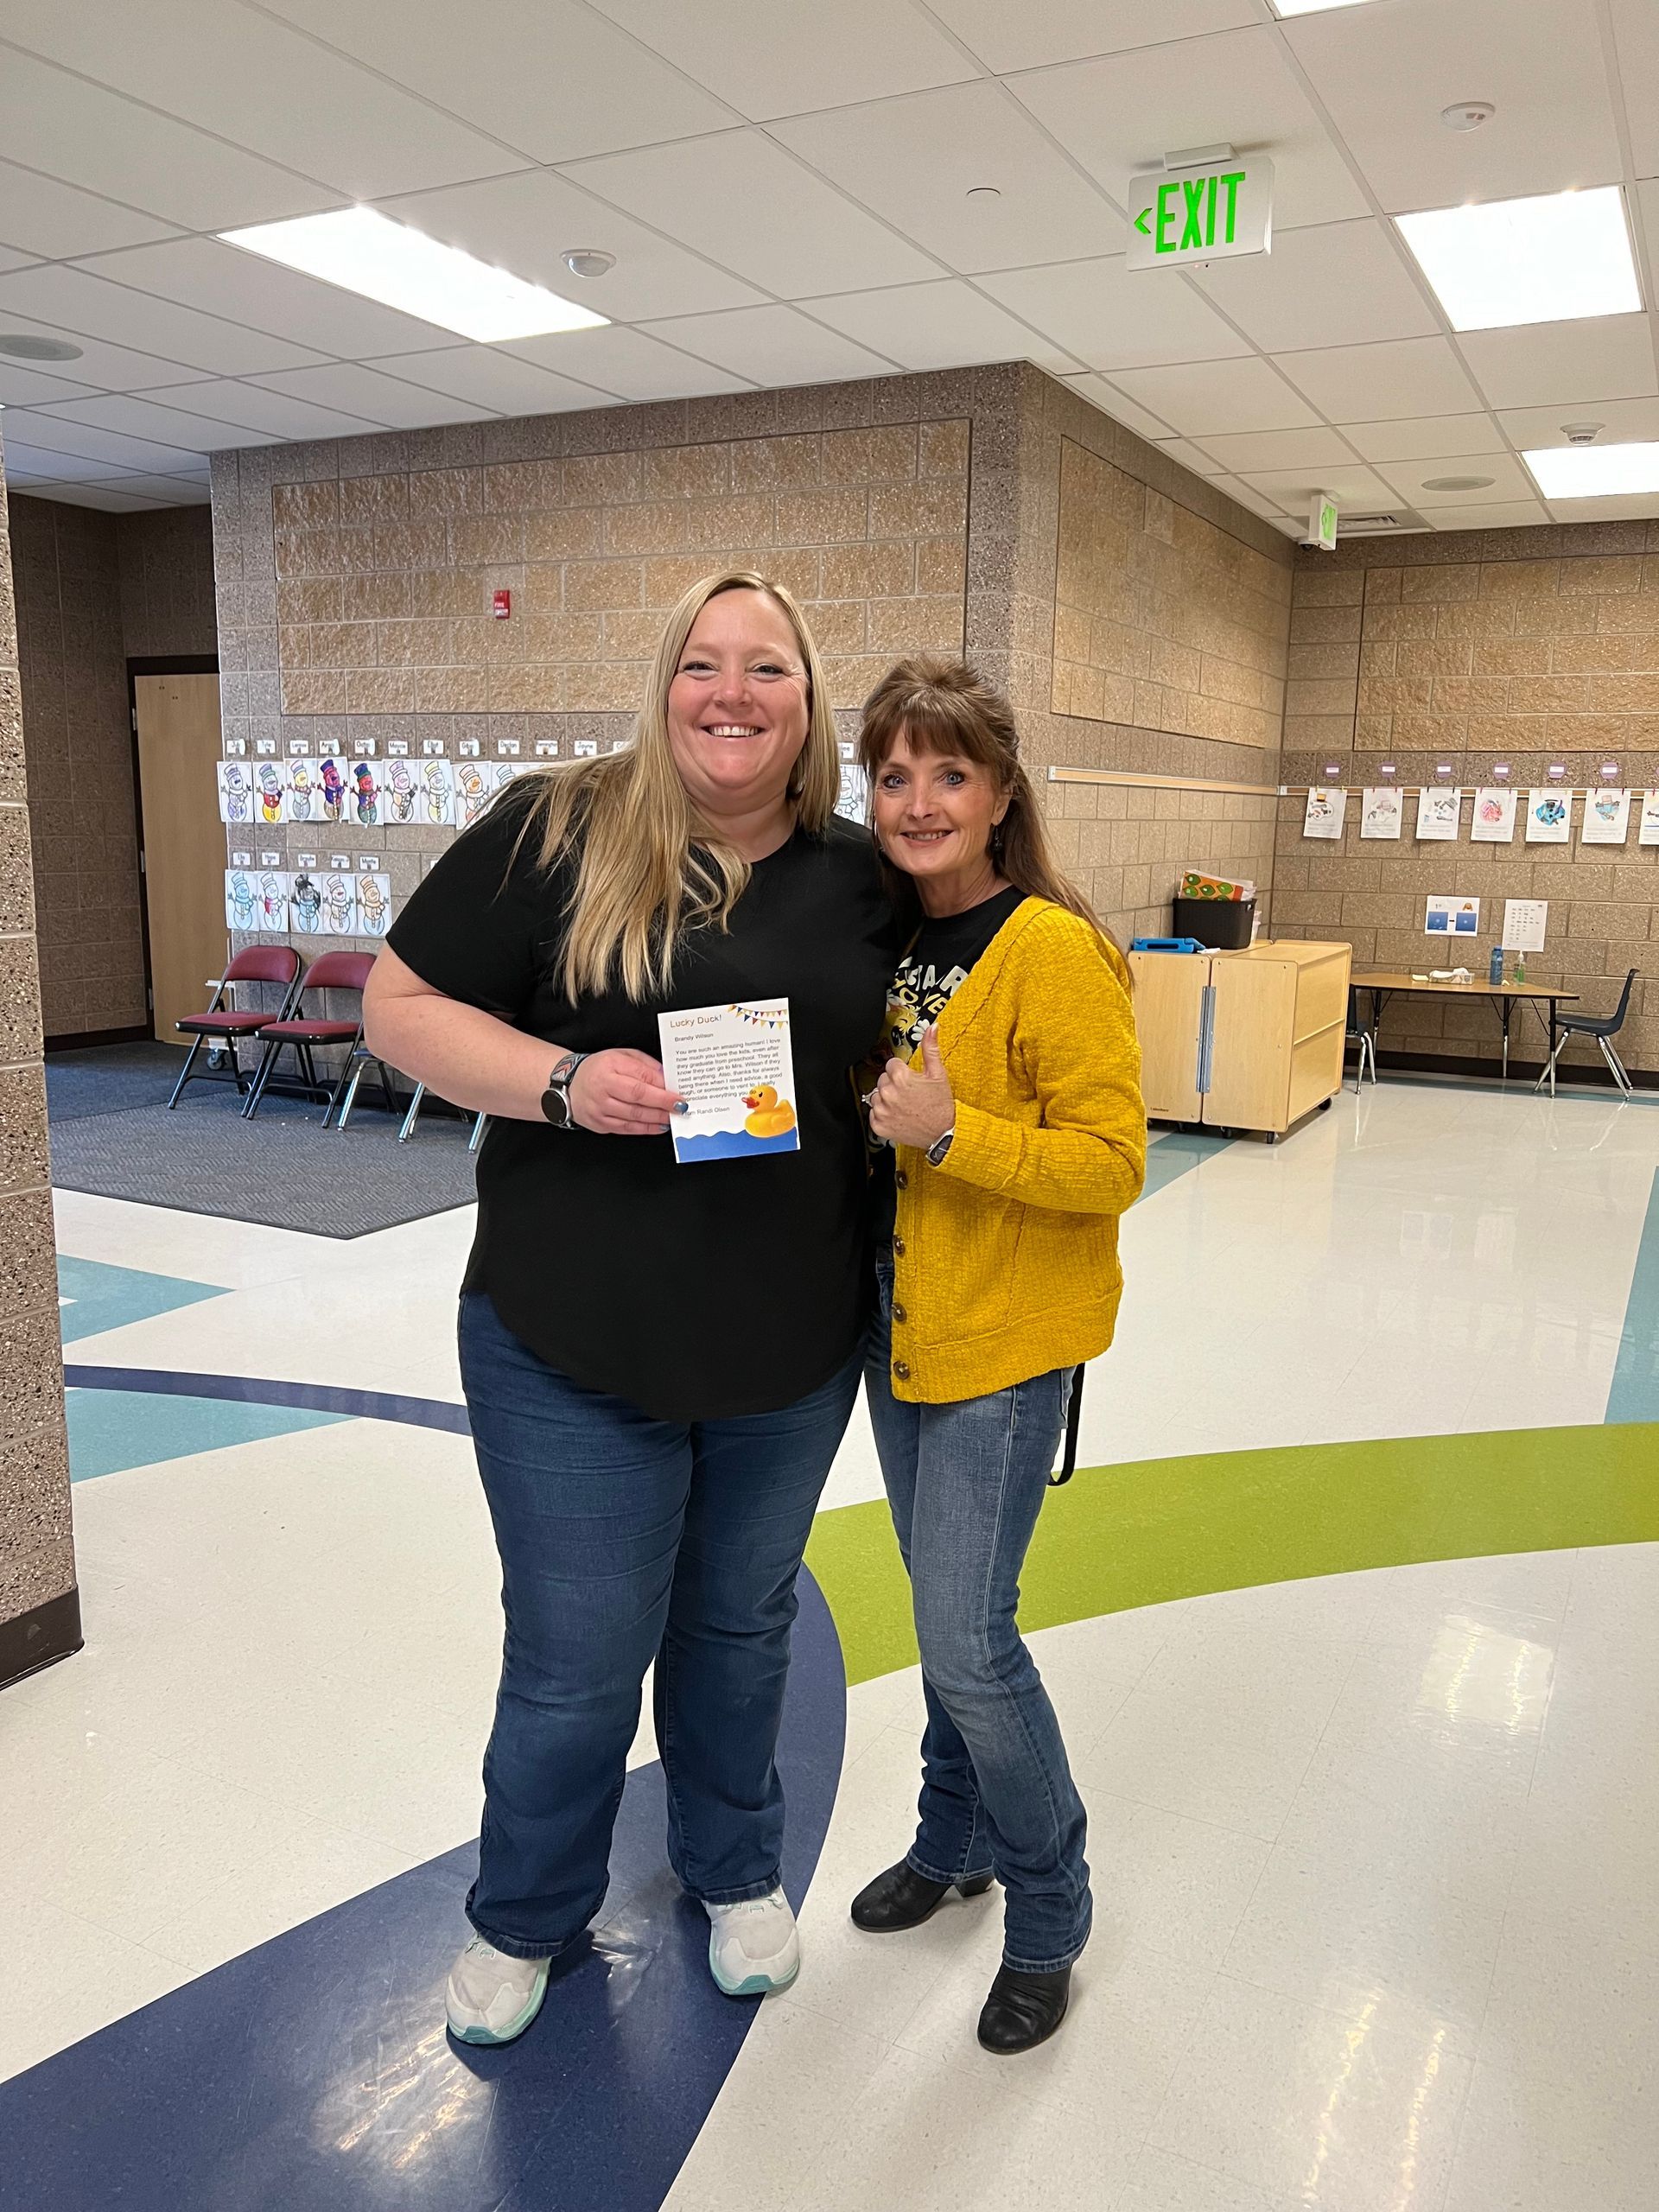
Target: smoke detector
{"type": "Point", "coordinates": [1467, 114]}
{"type": "Point", "coordinates": [1582, 433]}
{"type": "Point", "coordinates": [588, 261]}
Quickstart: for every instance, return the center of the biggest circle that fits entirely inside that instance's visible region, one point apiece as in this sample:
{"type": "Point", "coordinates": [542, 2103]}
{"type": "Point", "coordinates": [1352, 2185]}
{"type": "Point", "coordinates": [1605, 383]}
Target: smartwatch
{"type": "Point", "coordinates": [555, 1099]}
{"type": "Point", "coordinates": [939, 1147]}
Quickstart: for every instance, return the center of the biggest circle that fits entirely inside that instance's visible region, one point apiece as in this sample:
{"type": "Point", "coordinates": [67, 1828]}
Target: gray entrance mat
{"type": "Point", "coordinates": [112, 1135]}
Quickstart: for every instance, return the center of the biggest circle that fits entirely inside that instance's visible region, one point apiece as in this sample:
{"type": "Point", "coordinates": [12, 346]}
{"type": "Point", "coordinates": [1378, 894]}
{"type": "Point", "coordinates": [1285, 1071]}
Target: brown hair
{"type": "Point", "coordinates": [946, 707]}
{"type": "Point", "coordinates": [648, 867]}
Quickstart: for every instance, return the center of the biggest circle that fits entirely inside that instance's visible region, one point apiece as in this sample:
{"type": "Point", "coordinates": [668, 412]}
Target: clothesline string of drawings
{"type": "Point", "coordinates": [1604, 818]}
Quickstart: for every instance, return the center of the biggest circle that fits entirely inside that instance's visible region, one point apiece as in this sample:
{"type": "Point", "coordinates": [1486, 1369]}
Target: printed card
{"type": "Point", "coordinates": [734, 1067]}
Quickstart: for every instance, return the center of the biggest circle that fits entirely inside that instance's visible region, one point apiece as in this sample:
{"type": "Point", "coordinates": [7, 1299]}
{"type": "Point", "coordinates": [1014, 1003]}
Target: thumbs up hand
{"type": "Point", "coordinates": [910, 1108]}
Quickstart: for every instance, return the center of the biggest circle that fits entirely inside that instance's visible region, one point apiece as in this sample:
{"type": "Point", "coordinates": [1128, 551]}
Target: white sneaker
{"type": "Point", "coordinates": [753, 1947]}
{"type": "Point", "coordinates": [492, 1998]}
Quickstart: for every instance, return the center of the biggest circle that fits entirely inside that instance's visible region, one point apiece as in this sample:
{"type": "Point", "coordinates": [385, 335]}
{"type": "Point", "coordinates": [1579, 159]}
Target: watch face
{"type": "Point", "coordinates": [556, 1105]}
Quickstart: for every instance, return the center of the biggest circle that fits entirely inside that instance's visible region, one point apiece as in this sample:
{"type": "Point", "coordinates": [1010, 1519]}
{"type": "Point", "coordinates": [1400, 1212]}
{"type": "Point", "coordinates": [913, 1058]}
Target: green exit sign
{"type": "Point", "coordinates": [1215, 213]}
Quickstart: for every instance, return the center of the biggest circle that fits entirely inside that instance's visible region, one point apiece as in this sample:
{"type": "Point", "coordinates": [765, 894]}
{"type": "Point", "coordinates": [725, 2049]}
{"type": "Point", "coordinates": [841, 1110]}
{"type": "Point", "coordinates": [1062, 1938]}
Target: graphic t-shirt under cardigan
{"type": "Point", "coordinates": [701, 1292]}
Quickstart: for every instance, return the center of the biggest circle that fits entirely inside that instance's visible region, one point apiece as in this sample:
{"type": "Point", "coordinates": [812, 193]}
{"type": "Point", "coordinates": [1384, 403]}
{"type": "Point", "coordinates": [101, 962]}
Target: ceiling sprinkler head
{"type": "Point", "coordinates": [588, 261]}
{"type": "Point", "coordinates": [22, 347]}
{"type": "Point", "coordinates": [1581, 433]}
{"type": "Point", "coordinates": [1467, 114]}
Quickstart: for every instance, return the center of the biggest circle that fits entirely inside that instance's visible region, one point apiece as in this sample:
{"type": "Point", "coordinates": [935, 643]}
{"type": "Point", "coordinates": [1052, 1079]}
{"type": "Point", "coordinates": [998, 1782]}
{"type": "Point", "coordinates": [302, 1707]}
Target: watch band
{"type": "Point", "coordinates": [555, 1099]}
{"type": "Point", "coordinates": [939, 1147]}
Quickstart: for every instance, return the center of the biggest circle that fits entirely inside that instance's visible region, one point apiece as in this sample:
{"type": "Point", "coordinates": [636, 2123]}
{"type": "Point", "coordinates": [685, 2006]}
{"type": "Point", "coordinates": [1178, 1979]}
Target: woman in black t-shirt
{"type": "Point", "coordinates": [659, 1359]}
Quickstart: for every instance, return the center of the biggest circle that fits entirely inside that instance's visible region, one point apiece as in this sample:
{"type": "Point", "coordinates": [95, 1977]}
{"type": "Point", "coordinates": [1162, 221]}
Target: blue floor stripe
{"type": "Point", "coordinates": [113, 1430]}
{"type": "Point", "coordinates": [1634, 1394]}
{"type": "Point", "coordinates": [264, 1390]}
{"type": "Point", "coordinates": [1174, 1152]}
{"type": "Point", "coordinates": [93, 1296]}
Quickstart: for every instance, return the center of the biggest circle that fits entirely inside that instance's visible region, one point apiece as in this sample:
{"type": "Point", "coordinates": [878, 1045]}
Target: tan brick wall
{"type": "Point", "coordinates": [166, 561]}
{"type": "Point", "coordinates": [1162, 618]}
{"type": "Point", "coordinates": [1519, 647]}
{"type": "Point", "coordinates": [37, 1561]}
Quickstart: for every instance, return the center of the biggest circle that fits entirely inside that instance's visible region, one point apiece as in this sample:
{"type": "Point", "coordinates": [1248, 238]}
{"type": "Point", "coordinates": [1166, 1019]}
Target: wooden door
{"type": "Point", "coordinates": [183, 842]}
{"type": "Point", "coordinates": [1169, 1015]}
{"type": "Point", "coordinates": [1255, 1013]}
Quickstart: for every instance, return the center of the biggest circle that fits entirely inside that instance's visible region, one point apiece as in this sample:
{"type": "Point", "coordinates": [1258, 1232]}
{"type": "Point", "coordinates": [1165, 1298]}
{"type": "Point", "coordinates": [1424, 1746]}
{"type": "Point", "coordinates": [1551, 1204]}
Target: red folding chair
{"type": "Point", "coordinates": [222, 1024]}
{"type": "Point", "coordinates": [302, 1032]}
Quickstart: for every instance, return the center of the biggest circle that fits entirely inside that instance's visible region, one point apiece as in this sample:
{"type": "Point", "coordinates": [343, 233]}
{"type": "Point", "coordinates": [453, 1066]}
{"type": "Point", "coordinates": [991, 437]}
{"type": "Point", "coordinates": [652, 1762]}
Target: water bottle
{"type": "Point", "coordinates": [1495, 966]}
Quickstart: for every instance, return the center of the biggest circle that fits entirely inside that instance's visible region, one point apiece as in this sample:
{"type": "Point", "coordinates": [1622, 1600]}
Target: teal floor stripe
{"type": "Point", "coordinates": [112, 1430]}
{"type": "Point", "coordinates": [1635, 1392]}
{"type": "Point", "coordinates": [92, 1296]}
{"type": "Point", "coordinates": [1174, 1152]}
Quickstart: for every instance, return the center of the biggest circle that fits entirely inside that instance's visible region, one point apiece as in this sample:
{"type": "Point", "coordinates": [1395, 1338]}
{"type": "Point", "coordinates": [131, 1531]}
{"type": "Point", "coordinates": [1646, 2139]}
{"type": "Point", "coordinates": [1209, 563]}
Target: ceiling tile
{"type": "Point", "coordinates": [1127, 111]}
{"type": "Point", "coordinates": [1258, 503]}
{"type": "Point", "coordinates": [551, 77]}
{"type": "Point", "coordinates": [1636, 34]}
{"type": "Point", "coordinates": [1254, 449]}
{"type": "Point", "coordinates": [1041, 31]}
{"type": "Point", "coordinates": [1647, 195]}
{"type": "Point", "coordinates": [1629, 508]}
{"type": "Point", "coordinates": [1549, 363]}
{"type": "Point", "coordinates": [947, 324]}
{"type": "Point", "coordinates": [915, 161]}
{"type": "Point", "coordinates": [1623, 422]}
{"type": "Point", "coordinates": [170, 490]}
{"type": "Point", "coordinates": [1121, 409]}
{"type": "Point", "coordinates": [629, 362]}
{"type": "Point", "coordinates": [773, 345]}
{"type": "Point", "coordinates": [57, 222]}
{"type": "Point", "coordinates": [21, 387]}
{"type": "Point", "coordinates": [1348, 482]}
{"type": "Point", "coordinates": [1331, 284]}
{"type": "Point", "coordinates": [110, 497]}
{"type": "Point", "coordinates": [252, 407]}
{"type": "Point", "coordinates": [1423, 437]}
{"type": "Point", "coordinates": [24, 460]}
{"type": "Point", "coordinates": [258, 83]}
{"type": "Point", "coordinates": [1508, 514]}
{"type": "Point", "coordinates": [1509, 480]}
{"type": "Point", "coordinates": [223, 280]}
{"type": "Point", "coordinates": [770, 61]}
{"type": "Point", "coordinates": [751, 208]}
{"type": "Point", "coordinates": [165, 425]}
{"type": "Point", "coordinates": [79, 131]}
{"type": "Point", "coordinates": [1385, 74]}
{"type": "Point", "coordinates": [11, 258]}
{"type": "Point", "coordinates": [110, 447]}
{"type": "Point", "coordinates": [1201, 398]}
{"type": "Point", "coordinates": [390, 401]}
{"type": "Point", "coordinates": [1194, 459]}
{"type": "Point", "coordinates": [1408, 376]}
{"type": "Point", "coordinates": [1114, 318]}
{"type": "Point", "coordinates": [101, 367]}
{"type": "Point", "coordinates": [90, 307]}
{"type": "Point", "coordinates": [525, 222]}
{"type": "Point", "coordinates": [496, 380]}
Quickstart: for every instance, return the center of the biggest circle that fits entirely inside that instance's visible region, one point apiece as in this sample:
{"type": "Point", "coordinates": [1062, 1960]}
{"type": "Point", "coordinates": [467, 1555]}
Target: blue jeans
{"type": "Point", "coordinates": [966, 1483]}
{"type": "Point", "coordinates": [624, 1540]}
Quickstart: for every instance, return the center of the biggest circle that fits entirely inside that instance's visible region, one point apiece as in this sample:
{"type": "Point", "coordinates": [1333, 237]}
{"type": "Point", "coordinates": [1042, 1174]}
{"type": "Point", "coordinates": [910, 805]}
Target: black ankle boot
{"type": "Point", "coordinates": [1023, 2010]}
{"type": "Point", "coordinates": [903, 1898]}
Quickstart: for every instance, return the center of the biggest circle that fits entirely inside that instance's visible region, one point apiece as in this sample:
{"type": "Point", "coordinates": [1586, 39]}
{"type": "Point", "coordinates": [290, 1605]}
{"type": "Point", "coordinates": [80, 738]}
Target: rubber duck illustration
{"type": "Point", "coordinates": [333, 790]}
{"type": "Point", "coordinates": [271, 793]}
{"type": "Point", "coordinates": [371, 906]}
{"type": "Point", "coordinates": [245, 912]}
{"type": "Point", "coordinates": [237, 795]}
{"type": "Point", "coordinates": [308, 905]}
{"type": "Point", "coordinates": [437, 790]}
{"type": "Point", "coordinates": [368, 795]}
{"type": "Point", "coordinates": [769, 1116]}
{"type": "Point", "coordinates": [400, 792]}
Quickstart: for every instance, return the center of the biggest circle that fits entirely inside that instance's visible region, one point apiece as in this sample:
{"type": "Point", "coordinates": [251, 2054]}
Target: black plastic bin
{"type": "Point", "coordinates": [1224, 925]}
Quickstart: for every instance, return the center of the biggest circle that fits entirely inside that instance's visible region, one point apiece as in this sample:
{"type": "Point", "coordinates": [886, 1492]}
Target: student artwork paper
{"type": "Point", "coordinates": [1438, 810]}
{"type": "Point", "coordinates": [1606, 817]}
{"type": "Point", "coordinates": [1381, 812]}
{"type": "Point", "coordinates": [305, 788]}
{"type": "Point", "coordinates": [235, 791]}
{"type": "Point", "coordinates": [1524, 925]}
{"type": "Point", "coordinates": [476, 786]}
{"type": "Point", "coordinates": [374, 904]}
{"type": "Point", "coordinates": [365, 806]}
{"type": "Point", "coordinates": [338, 894]}
{"type": "Point", "coordinates": [1549, 818]}
{"type": "Point", "coordinates": [398, 792]}
{"type": "Point", "coordinates": [1323, 816]}
{"type": "Point", "coordinates": [241, 900]}
{"type": "Point", "coordinates": [271, 793]}
{"type": "Point", "coordinates": [272, 888]}
{"type": "Point", "coordinates": [1494, 817]}
{"type": "Point", "coordinates": [436, 802]}
{"type": "Point", "coordinates": [1648, 833]}
{"type": "Point", "coordinates": [1452, 918]}
{"type": "Point", "coordinates": [305, 905]}
{"type": "Point", "coordinates": [734, 1067]}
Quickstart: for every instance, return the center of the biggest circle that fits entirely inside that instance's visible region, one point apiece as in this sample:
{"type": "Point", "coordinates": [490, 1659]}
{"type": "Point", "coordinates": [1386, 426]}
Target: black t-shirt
{"type": "Point", "coordinates": [697, 1292]}
{"type": "Point", "coordinates": [927, 978]}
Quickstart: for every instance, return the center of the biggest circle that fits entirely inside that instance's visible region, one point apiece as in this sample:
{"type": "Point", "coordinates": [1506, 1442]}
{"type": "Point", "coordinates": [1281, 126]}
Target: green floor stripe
{"type": "Point", "coordinates": [1153, 1530]}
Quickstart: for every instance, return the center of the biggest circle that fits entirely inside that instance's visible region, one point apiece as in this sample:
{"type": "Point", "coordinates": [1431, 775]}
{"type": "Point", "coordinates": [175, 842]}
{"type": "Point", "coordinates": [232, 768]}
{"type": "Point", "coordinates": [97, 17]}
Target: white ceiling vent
{"type": "Point", "coordinates": [1390, 523]}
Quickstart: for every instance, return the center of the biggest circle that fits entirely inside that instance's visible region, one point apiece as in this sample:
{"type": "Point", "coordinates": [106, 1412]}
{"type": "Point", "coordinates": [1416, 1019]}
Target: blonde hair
{"type": "Point", "coordinates": [648, 867]}
{"type": "Point", "coordinates": [946, 707]}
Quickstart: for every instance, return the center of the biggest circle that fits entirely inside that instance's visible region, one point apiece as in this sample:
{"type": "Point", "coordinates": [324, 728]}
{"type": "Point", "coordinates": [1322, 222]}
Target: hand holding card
{"type": "Point", "coordinates": [732, 1066]}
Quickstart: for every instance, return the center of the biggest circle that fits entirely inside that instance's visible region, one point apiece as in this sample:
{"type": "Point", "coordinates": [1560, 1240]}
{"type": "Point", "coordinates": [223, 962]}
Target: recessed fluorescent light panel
{"type": "Point", "coordinates": [1311, 7]}
{"type": "Point", "coordinates": [1594, 472]}
{"type": "Point", "coordinates": [363, 251]}
{"type": "Point", "coordinates": [1551, 259]}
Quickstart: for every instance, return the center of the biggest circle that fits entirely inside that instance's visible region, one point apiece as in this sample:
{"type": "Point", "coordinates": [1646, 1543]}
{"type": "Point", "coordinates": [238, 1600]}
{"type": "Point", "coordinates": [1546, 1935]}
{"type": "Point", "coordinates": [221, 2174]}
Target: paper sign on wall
{"type": "Point", "coordinates": [304, 789]}
{"type": "Point", "coordinates": [1549, 818]}
{"type": "Point", "coordinates": [235, 791]}
{"type": "Point", "coordinates": [1606, 817]}
{"type": "Point", "coordinates": [339, 904]}
{"type": "Point", "coordinates": [305, 904]}
{"type": "Point", "coordinates": [241, 900]}
{"type": "Point", "coordinates": [1382, 810]}
{"type": "Point", "coordinates": [1493, 821]}
{"type": "Point", "coordinates": [374, 904]}
{"type": "Point", "coordinates": [397, 792]}
{"type": "Point", "coordinates": [1648, 833]}
{"type": "Point", "coordinates": [271, 793]}
{"type": "Point", "coordinates": [1438, 810]}
{"type": "Point", "coordinates": [1324, 812]}
{"type": "Point", "coordinates": [1452, 918]}
{"type": "Point", "coordinates": [1524, 925]}
{"type": "Point", "coordinates": [272, 889]}
{"type": "Point", "coordinates": [437, 787]}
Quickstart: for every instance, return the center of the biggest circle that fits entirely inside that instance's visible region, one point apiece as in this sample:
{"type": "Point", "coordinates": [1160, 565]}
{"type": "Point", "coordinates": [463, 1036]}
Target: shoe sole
{"type": "Point", "coordinates": [490, 2037]}
{"type": "Point", "coordinates": [753, 1985]}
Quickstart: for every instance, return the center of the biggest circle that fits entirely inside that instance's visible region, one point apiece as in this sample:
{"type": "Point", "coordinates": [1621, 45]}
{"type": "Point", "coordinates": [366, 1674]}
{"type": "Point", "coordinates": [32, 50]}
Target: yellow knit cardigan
{"type": "Point", "coordinates": [1005, 1258]}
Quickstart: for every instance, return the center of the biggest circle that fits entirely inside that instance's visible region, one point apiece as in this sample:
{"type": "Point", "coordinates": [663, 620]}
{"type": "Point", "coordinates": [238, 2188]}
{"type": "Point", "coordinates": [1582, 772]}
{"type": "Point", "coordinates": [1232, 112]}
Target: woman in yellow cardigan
{"type": "Point", "coordinates": [1012, 1108]}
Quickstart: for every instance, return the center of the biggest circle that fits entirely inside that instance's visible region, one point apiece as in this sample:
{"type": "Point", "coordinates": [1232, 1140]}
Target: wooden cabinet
{"type": "Point", "coordinates": [1241, 1040]}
